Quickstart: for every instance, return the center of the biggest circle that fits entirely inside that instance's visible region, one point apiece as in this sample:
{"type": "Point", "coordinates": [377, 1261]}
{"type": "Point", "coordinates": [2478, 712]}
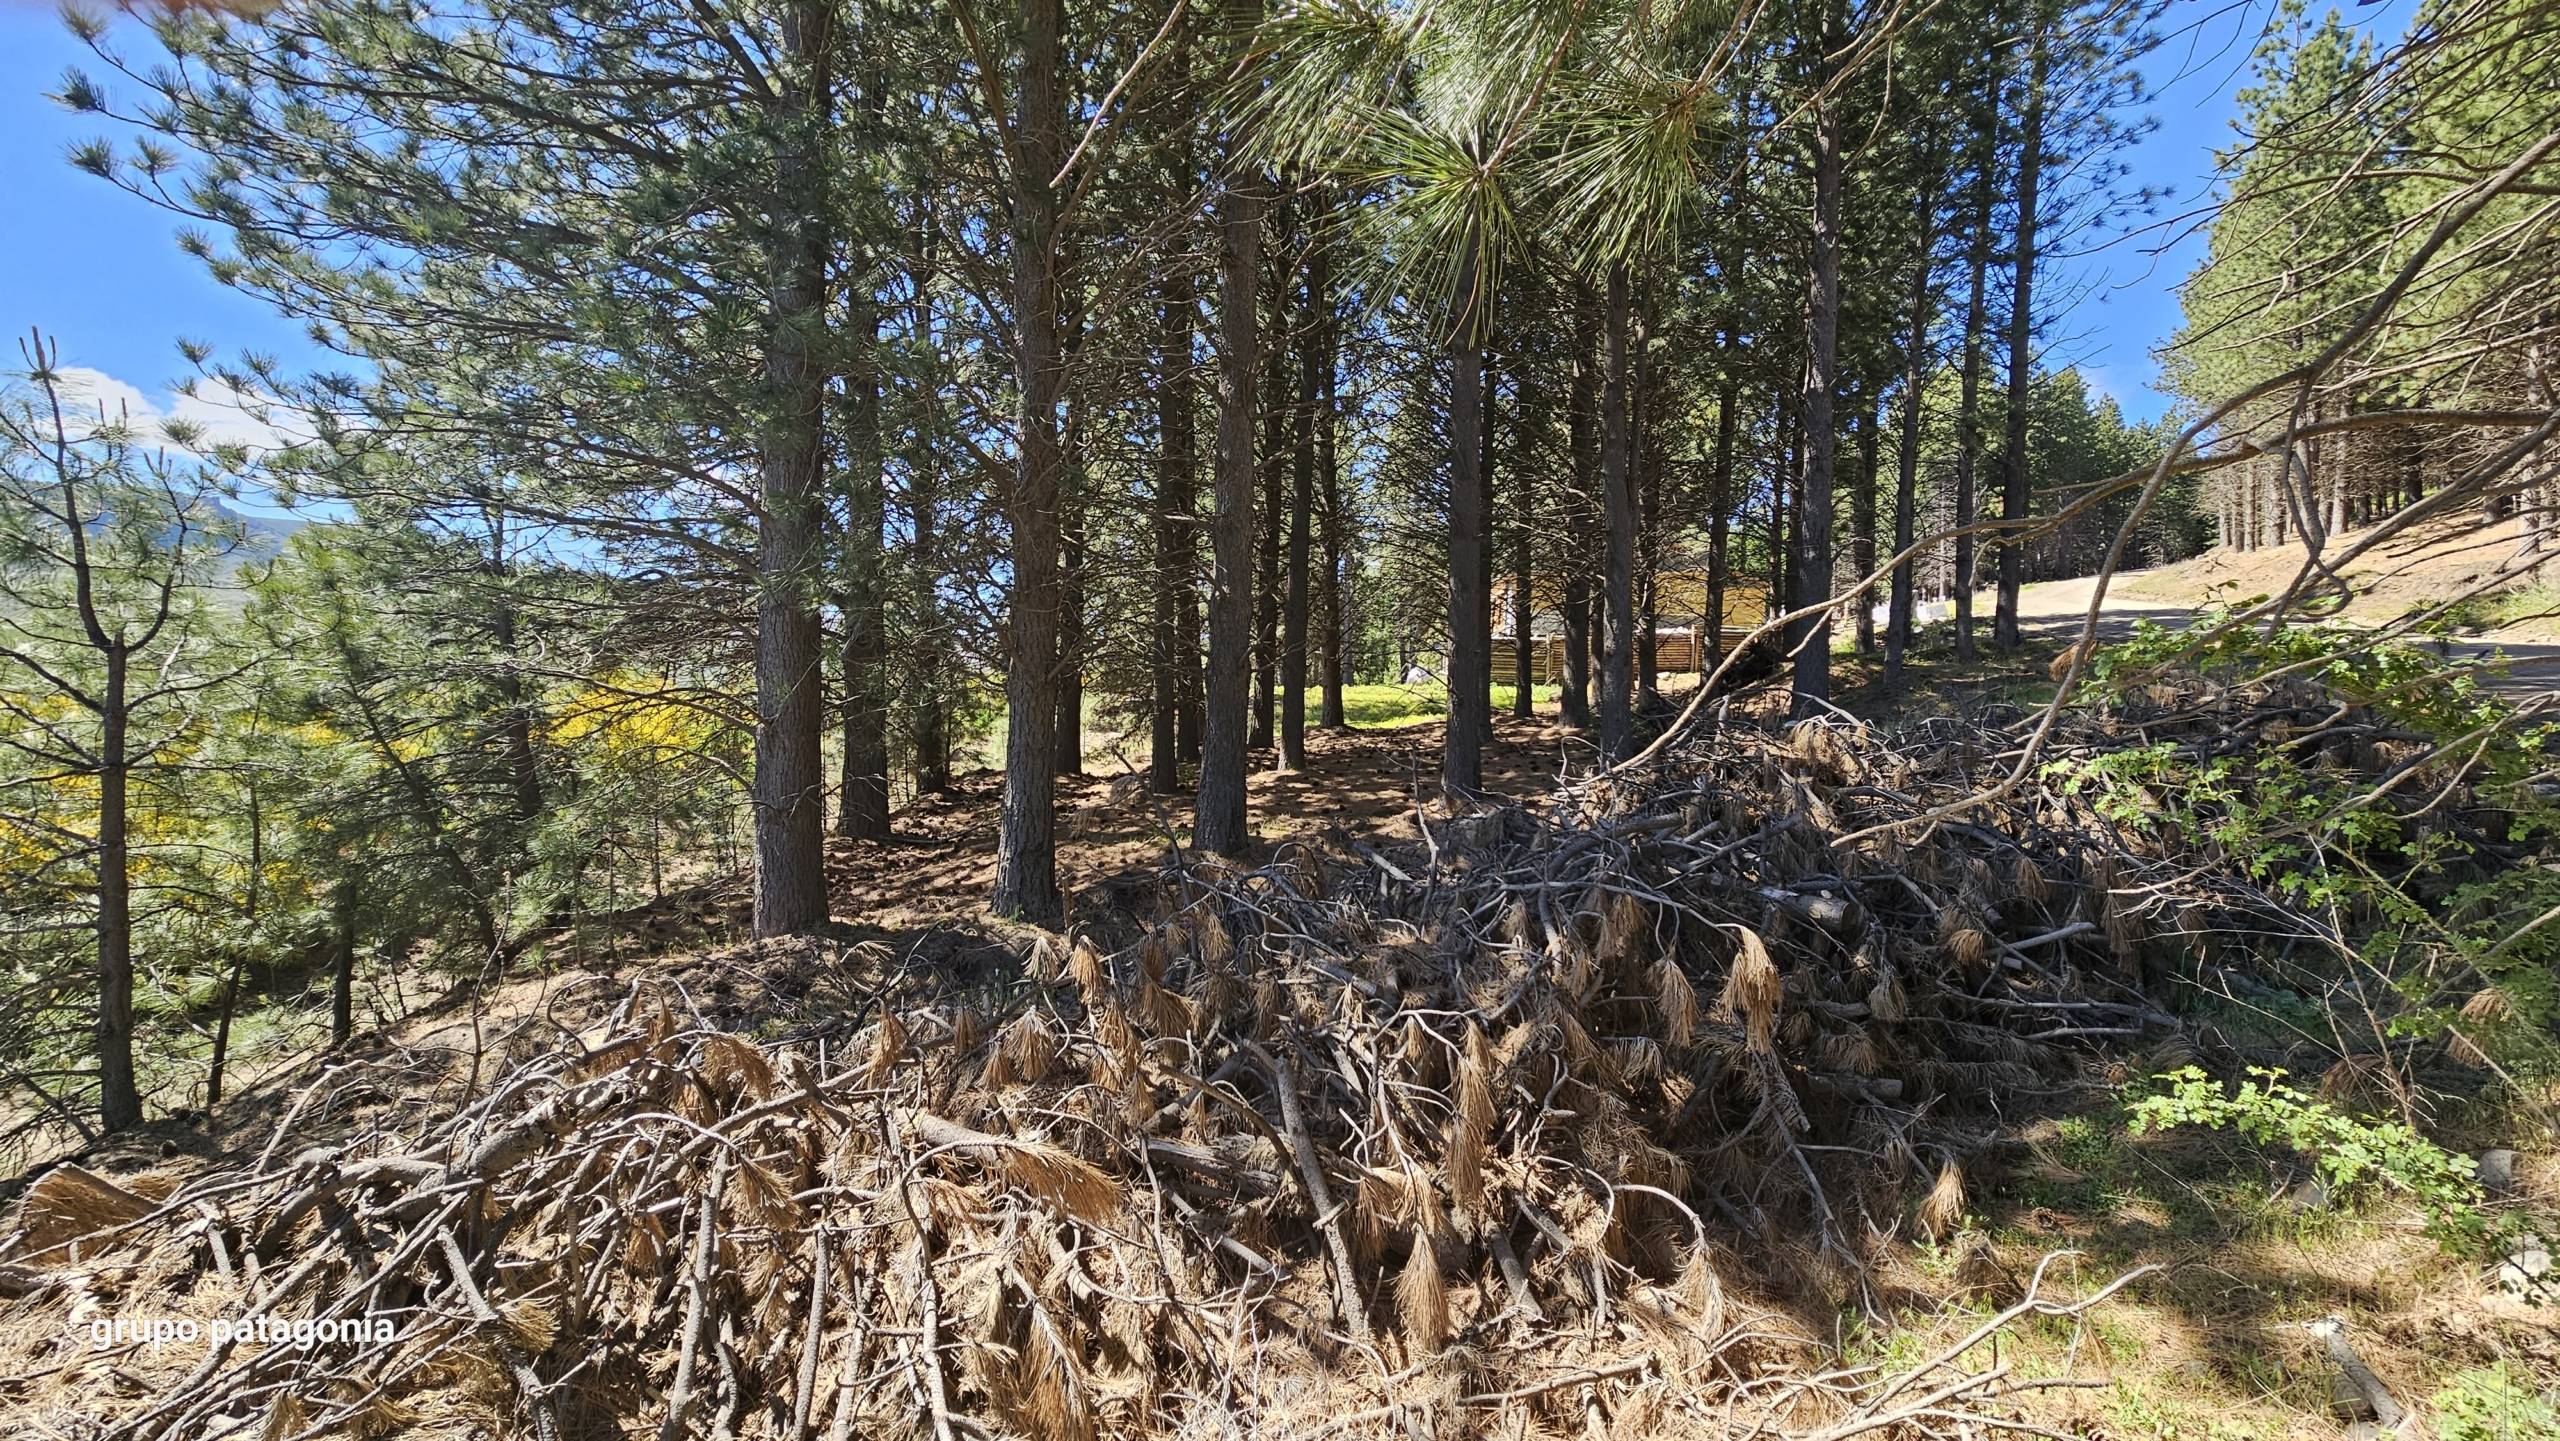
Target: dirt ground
{"type": "Point", "coordinates": [2458, 572]}
{"type": "Point", "coordinates": [2214, 1346]}
{"type": "Point", "coordinates": [918, 899]}
{"type": "Point", "coordinates": [2435, 563]}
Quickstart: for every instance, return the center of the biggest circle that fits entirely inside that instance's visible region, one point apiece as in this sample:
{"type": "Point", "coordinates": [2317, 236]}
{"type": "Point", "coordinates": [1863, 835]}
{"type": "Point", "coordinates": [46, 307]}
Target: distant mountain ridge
{"type": "Point", "coordinates": [262, 537]}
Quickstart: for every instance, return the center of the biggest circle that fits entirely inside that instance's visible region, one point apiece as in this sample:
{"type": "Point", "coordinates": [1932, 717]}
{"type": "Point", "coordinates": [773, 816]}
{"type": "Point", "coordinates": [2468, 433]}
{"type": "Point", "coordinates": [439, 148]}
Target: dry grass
{"type": "Point", "coordinates": [2434, 563]}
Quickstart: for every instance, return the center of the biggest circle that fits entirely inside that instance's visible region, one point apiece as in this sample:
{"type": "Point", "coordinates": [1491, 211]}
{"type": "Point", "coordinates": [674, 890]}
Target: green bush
{"type": "Point", "coordinates": [2443, 879]}
{"type": "Point", "coordinates": [2352, 1155]}
{"type": "Point", "coordinates": [2496, 1403]}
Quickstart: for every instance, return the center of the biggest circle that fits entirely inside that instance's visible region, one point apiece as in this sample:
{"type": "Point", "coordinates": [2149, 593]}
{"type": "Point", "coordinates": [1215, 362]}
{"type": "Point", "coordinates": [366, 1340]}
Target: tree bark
{"type": "Point", "coordinates": [1302, 498]}
{"type": "Point", "coordinates": [342, 964]}
{"type": "Point", "coordinates": [862, 805]}
{"type": "Point", "coordinates": [1648, 490]}
{"type": "Point", "coordinates": [230, 1007]}
{"type": "Point", "coordinates": [1524, 655]}
{"type": "Point", "coordinates": [1470, 622]}
{"type": "Point", "coordinates": [1218, 816]}
{"type": "Point", "coordinates": [1574, 704]}
{"type": "Point", "coordinates": [1487, 486]}
{"type": "Point", "coordinates": [1329, 332]}
{"type": "Point", "coordinates": [1026, 841]}
{"type": "Point", "coordinates": [1810, 637]}
{"type": "Point", "coordinates": [517, 722]}
{"type": "Point", "coordinates": [1782, 494]}
{"type": "Point", "coordinates": [925, 716]}
{"type": "Point", "coordinates": [1720, 497]}
{"type": "Point", "coordinates": [119, 1095]}
{"type": "Point", "coordinates": [1071, 543]}
{"type": "Point", "coordinates": [1072, 631]}
{"type": "Point", "coordinates": [1862, 528]}
{"type": "Point", "coordinates": [1272, 475]}
{"type": "Point", "coordinates": [1720, 501]}
{"type": "Point", "coordinates": [1969, 387]}
{"type": "Point", "coordinates": [1906, 477]}
{"type": "Point", "coordinates": [2013, 460]}
{"type": "Point", "coordinates": [927, 720]}
{"type": "Point", "coordinates": [790, 818]}
{"type": "Point", "coordinates": [1617, 483]}
{"type": "Point", "coordinates": [1176, 553]}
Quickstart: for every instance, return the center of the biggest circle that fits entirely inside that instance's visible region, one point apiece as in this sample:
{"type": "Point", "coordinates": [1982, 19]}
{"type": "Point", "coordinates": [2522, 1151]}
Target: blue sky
{"type": "Point", "coordinates": [101, 270]}
{"type": "Point", "coordinates": [93, 267]}
{"type": "Point", "coordinates": [2128, 288]}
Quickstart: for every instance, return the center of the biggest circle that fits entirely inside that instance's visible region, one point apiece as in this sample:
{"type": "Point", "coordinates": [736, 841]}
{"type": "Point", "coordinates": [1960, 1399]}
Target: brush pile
{"type": "Point", "coordinates": [1539, 1125]}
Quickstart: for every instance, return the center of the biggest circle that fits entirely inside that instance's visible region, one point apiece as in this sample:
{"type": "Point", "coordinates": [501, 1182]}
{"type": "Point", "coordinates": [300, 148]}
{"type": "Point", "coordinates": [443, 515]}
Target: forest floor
{"type": "Point", "coordinates": [2216, 1345]}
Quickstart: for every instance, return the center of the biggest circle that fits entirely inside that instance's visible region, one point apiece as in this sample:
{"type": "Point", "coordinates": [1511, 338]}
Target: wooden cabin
{"type": "Point", "coordinates": [1680, 622]}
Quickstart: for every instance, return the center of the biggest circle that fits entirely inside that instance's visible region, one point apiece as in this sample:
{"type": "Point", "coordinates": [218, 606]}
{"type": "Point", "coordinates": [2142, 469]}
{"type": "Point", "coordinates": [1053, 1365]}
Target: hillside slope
{"type": "Point", "coordinates": [2466, 569]}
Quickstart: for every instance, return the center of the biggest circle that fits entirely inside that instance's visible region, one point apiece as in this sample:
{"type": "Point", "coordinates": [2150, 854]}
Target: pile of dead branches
{"type": "Point", "coordinates": [1538, 1124]}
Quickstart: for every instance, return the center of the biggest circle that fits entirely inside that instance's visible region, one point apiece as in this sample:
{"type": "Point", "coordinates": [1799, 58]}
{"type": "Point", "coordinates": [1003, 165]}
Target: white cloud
{"type": "Point", "coordinates": [217, 413]}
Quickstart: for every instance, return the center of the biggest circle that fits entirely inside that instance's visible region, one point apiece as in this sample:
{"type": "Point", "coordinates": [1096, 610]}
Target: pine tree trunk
{"type": "Point", "coordinates": [1720, 500]}
{"type": "Point", "coordinates": [1302, 499]}
{"type": "Point", "coordinates": [1720, 496]}
{"type": "Point", "coordinates": [789, 790]}
{"type": "Point", "coordinates": [2021, 397]}
{"type": "Point", "coordinates": [1524, 656]}
{"type": "Point", "coordinates": [223, 1016]}
{"type": "Point", "coordinates": [1026, 840]}
{"type": "Point", "coordinates": [1190, 663]}
{"type": "Point", "coordinates": [1810, 638]}
{"type": "Point", "coordinates": [1274, 454]}
{"type": "Point", "coordinates": [1617, 482]}
{"type": "Point", "coordinates": [1218, 817]}
{"type": "Point", "coordinates": [2533, 500]}
{"type": "Point", "coordinates": [516, 715]}
{"type": "Point", "coordinates": [342, 965]}
{"type": "Point", "coordinates": [1331, 632]}
{"type": "Point", "coordinates": [1906, 472]}
{"type": "Point", "coordinates": [1862, 529]}
{"type": "Point", "coordinates": [238, 976]}
{"type": "Point", "coordinates": [1068, 728]}
{"type": "Point", "coordinates": [1969, 389]}
{"type": "Point", "coordinates": [925, 715]}
{"type": "Point", "coordinates": [862, 805]}
{"type": "Point", "coordinates": [1071, 619]}
{"type": "Point", "coordinates": [1488, 484]}
{"type": "Point", "coordinates": [1176, 554]}
{"type": "Point", "coordinates": [119, 1094]}
{"type": "Point", "coordinates": [1648, 488]}
{"type": "Point", "coordinates": [1470, 630]}
{"type": "Point", "coordinates": [1595, 624]}
{"type": "Point", "coordinates": [926, 720]}
{"type": "Point", "coordinates": [1575, 703]}
{"type": "Point", "coordinates": [1782, 498]}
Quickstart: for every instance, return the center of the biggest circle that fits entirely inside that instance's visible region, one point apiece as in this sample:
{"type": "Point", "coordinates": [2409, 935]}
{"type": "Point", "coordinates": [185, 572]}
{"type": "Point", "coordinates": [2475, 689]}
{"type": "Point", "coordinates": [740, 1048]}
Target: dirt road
{"type": "Point", "coordinates": [2057, 610]}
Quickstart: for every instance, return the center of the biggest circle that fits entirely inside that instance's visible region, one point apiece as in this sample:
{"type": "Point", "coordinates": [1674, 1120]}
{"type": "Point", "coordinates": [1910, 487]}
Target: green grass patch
{"type": "Point", "coordinates": [2498, 610]}
{"type": "Point", "coordinates": [1385, 706]}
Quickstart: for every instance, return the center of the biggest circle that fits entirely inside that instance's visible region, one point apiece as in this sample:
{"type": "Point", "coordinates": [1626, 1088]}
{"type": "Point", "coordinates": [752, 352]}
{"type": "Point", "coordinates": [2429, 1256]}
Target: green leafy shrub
{"type": "Point", "coordinates": [2436, 860]}
{"type": "Point", "coordinates": [2495, 1403]}
{"type": "Point", "coordinates": [2352, 1155]}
